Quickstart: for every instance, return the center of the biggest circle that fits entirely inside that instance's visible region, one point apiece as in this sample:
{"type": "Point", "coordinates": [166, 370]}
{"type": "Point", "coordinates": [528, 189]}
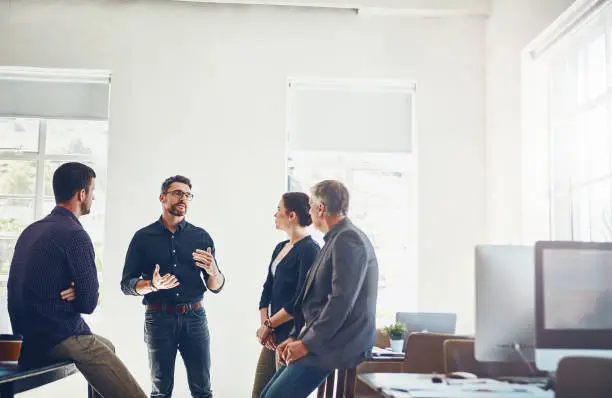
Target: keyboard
{"type": "Point", "coordinates": [539, 381]}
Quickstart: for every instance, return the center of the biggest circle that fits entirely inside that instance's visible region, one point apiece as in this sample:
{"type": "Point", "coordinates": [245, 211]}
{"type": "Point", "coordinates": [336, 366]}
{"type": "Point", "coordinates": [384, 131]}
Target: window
{"type": "Point", "coordinates": [361, 133]}
{"type": "Point", "coordinates": [32, 150]}
{"type": "Point", "coordinates": [48, 117]}
{"type": "Point", "coordinates": [380, 189]}
{"type": "Point", "coordinates": [580, 146]}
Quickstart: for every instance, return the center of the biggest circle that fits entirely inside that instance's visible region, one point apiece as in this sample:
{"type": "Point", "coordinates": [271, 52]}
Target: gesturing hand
{"type": "Point", "coordinates": [206, 261]}
{"type": "Point", "coordinates": [167, 281]}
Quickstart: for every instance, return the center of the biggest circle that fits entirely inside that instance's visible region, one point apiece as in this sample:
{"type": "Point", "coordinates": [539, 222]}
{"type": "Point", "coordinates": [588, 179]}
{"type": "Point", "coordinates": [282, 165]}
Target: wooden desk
{"type": "Point", "coordinates": [14, 380]}
{"type": "Point", "coordinates": [345, 387]}
{"type": "Point", "coordinates": [375, 381]}
{"type": "Point", "coordinates": [394, 358]}
{"type": "Point", "coordinates": [385, 385]}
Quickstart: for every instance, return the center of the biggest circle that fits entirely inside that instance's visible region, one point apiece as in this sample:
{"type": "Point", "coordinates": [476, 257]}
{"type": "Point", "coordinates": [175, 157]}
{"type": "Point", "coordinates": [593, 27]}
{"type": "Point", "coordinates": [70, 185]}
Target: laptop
{"type": "Point", "coordinates": [433, 322]}
{"type": "Point", "coordinates": [383, 352]}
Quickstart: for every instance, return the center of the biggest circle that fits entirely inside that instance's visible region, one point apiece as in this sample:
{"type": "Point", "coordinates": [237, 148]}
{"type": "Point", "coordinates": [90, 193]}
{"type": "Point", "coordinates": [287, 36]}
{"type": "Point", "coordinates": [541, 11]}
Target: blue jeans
{"type": "Point", "coordinates": [165, 333]}
{"type": "Point", "coordinates": [294, 381]}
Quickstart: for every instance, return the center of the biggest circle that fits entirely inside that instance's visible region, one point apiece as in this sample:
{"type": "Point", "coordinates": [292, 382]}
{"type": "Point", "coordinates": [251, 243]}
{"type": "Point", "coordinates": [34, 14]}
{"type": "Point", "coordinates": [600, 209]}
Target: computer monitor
{"type": "Point", "coordinates": [504, 303]}
{"type": "Point", "coordinates": [433, 322]}
{"type": "Point", "coordinates": [573, 293]}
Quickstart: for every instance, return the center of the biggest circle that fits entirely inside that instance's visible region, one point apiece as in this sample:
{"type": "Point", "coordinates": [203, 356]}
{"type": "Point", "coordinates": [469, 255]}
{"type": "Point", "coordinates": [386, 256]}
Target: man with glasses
{"type": "Point", "coordinates": [171, 263]}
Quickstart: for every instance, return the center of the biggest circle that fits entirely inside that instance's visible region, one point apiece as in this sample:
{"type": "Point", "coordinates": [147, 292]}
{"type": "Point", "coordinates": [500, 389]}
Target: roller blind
{"type": "Point", "coordinates": [351, 116]}
{"type": "Point", "coordinates": [54, 93]}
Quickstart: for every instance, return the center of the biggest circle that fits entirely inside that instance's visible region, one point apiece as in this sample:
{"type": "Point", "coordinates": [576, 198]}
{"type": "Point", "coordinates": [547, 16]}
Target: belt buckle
{"type": "Point", "coordinates": [183, 308]}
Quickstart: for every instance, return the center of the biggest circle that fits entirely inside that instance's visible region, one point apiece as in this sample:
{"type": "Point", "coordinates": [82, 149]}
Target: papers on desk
{"type": "Point", "coordinates": [382, 352]}
{"type": "Point", "coordinates": [467, 388]}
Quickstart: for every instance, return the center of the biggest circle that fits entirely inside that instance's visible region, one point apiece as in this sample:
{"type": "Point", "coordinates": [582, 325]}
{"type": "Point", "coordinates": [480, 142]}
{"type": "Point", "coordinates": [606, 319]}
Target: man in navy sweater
{"type": "Point", "coordinates": [53, 280]}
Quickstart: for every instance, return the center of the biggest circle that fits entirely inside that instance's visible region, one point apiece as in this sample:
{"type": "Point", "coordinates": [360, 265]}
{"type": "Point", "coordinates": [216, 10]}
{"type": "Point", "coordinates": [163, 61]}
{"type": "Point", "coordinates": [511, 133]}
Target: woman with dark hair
{"type": "Point", "coordinates": [287, 271]}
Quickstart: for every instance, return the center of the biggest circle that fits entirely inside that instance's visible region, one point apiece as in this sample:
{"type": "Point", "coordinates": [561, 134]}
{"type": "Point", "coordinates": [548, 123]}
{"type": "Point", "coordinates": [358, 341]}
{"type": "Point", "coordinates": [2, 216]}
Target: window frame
{"type": "Point", "coordinates": [40, 157]}
{"type": "Point", "coordinates": [576, 117]}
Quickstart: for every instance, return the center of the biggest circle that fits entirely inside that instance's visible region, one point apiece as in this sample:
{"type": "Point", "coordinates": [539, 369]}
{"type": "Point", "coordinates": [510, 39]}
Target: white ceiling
{"type": "Point", "coordinates": [386, 7]}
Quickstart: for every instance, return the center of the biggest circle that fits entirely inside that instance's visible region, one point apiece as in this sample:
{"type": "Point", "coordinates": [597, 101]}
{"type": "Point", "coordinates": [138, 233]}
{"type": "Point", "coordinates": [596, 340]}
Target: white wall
{"type": "Point", "coordinates": [200, 90]}
{"type": "Point", "coordinates": [511, 26]}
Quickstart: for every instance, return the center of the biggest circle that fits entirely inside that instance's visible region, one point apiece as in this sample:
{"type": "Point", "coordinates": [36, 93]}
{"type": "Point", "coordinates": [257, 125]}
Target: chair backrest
{"type": "Point", "coordinates": [382, 340]}
{"type": "Point", "coordinates": [425, 352]}
{"type": "Point", "coordinates": [459, 356]}
{"type": "Point", "coordinates": [584, 377]}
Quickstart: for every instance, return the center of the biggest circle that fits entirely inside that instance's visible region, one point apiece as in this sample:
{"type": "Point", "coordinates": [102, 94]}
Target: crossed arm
{"type": "Point", "coordinates": [82, 266]}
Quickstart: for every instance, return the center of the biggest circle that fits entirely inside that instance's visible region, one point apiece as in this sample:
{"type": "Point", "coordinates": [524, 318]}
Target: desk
{"type": "Point", "coordinates": [376, 381]}
{"type": "Point", "coordinates": [345, 387]}
{"type": "Point", "coordinates": [400, 385]}
{"type": "Point", "coordinates": [14, 380]}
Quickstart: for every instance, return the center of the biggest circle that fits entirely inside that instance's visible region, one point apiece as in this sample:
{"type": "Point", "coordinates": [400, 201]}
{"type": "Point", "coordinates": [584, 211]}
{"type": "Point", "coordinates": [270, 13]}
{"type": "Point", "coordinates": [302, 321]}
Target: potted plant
{"type": "Point", "coordinates": [396, 336]}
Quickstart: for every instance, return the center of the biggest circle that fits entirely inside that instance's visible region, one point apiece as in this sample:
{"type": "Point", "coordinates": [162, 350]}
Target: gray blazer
{"type": "Point", "coordinates": [336, 312]}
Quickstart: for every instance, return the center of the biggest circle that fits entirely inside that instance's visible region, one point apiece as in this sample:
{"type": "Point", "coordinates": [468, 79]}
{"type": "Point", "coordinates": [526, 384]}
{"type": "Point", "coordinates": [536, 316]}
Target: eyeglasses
{"type": "Point", "coordinates": [179, 194]}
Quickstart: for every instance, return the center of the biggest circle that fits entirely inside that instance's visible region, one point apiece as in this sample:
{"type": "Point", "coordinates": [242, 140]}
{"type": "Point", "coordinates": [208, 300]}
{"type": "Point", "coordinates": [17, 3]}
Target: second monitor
{"type": "Point", "coordinates": [573, 306]}
{"type": "Point", "coordinates": [505, 308]}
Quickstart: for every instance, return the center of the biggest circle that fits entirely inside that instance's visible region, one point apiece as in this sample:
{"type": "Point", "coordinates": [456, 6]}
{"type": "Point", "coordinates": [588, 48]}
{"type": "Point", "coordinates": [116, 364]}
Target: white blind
{"type": "Point", "coordinates": [351, 116]}
{"type": "Point", "coordinates": [54, 93]}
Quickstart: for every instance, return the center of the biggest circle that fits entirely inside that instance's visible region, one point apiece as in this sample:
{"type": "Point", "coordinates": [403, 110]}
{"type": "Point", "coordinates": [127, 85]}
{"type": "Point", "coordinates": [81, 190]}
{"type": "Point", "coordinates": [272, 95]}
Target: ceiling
{"type": "Point", "coordinates": [379, 7]}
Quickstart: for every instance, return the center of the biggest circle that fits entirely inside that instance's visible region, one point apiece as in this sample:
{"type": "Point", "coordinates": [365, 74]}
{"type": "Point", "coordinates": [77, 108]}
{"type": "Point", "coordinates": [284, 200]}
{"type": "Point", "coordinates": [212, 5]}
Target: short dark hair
{"type": "Point", "coordinates": [177, 178]}
{"type": "Point", "coordinates": [298, 203]}
{"type": "Point", "coordinates": [70, 178]}
{"type": "Point", "coordinates": [334, 195]}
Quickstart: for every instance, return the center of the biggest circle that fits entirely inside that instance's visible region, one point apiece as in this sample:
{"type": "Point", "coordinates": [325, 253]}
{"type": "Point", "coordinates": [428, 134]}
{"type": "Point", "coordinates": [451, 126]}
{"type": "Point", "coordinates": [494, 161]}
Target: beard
{"type": "Point", "coordinates": [85, 208]}
{"type": "Point", "coordinates": [176, 211]}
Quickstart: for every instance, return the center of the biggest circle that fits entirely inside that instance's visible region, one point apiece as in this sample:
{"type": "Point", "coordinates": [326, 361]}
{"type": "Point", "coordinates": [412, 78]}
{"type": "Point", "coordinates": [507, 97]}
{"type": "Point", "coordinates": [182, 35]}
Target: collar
{"type": "Point", "coordinates": [336, 228]}
{"type": "Point", "coordinates": [62, 211]}
{"type": "Point", "coordinates": [179, 227]}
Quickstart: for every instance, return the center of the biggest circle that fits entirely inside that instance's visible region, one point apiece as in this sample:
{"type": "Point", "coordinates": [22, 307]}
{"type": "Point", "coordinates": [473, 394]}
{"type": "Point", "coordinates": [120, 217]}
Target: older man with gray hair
{"type": "Point", "coordinates": [335, 314]}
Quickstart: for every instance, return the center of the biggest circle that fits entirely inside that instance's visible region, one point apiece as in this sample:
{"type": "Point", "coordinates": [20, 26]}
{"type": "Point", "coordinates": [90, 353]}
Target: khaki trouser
{"type": "Point", "coordinates": [95, 358]}
{"type": "Point", "coordinates": [267, 365]}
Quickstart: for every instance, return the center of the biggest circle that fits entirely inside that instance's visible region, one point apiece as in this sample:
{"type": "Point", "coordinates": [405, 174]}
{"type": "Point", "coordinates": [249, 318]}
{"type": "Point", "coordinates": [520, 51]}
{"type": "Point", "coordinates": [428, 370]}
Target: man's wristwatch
{"type": "Point", "coordinates": [153, 286]}
{"type": "Point", "coordinates": [268, 324]}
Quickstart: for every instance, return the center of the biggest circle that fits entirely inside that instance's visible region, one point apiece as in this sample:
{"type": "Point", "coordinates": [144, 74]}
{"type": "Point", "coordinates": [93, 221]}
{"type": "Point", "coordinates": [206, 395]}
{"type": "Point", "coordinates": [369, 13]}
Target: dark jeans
{"type": "Point", "coordinates": [165, 333]}
{"type": "Point", "coordinates": [294, 381]}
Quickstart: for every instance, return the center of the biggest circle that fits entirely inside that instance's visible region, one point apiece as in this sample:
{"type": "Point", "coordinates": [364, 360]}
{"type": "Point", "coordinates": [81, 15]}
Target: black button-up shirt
{"type": "Point", "coordinates": [156, 244]}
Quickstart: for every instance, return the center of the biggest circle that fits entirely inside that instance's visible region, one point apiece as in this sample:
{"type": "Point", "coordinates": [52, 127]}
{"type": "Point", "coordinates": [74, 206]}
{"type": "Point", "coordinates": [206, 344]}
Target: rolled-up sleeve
{"type": "Point", "coordinates": [211, 244]}
{"type": "Point", "coordinates": [132, 270]}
